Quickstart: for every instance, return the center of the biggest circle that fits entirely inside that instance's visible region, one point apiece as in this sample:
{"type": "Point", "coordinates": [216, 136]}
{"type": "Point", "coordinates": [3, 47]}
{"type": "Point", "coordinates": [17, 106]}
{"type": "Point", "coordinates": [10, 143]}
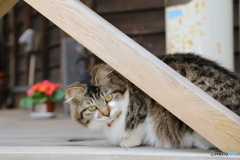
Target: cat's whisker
{"type": "Point", "coordinates": [69, 99]}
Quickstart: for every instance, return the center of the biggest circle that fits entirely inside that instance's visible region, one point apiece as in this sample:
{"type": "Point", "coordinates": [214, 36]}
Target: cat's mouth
{"type": "Point", "coordinates": [114, 117]}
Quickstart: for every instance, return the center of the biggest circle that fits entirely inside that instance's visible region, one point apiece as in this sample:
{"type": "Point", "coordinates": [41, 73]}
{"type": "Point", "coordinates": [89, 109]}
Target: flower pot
{"type": "Point", "coordinates": [43, 110]}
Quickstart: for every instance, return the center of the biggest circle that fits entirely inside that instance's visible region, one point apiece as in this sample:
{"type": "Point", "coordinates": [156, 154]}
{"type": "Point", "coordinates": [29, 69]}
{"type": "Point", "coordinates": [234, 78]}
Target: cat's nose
{"type": "Point", "coordinates": [106, 111]}
{"type": "Point", "coordinates": [108, 114]}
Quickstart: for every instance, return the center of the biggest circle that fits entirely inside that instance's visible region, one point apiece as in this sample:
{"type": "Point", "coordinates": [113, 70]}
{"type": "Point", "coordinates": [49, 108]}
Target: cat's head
{"type": "Point", "coordinates": [98, 97]}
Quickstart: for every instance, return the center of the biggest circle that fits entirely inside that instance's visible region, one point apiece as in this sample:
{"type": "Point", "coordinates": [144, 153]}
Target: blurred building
{"type": "Point", "coordinates": [142, 20]}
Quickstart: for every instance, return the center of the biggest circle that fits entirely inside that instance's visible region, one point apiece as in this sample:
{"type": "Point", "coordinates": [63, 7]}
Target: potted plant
{"type": "Point", "coordinates": [41, 99]}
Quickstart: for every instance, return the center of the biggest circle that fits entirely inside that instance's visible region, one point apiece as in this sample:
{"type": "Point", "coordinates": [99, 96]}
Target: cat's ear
{"type": "Point", "coordinates": [75, 91]}
{"type": "Point", "coordinates": [100, 73]}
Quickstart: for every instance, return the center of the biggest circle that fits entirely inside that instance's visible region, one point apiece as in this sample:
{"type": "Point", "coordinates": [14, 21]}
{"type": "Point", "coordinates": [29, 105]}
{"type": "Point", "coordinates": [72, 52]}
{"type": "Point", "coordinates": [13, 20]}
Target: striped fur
{"type": "Point", "coordinates": [132, 118]}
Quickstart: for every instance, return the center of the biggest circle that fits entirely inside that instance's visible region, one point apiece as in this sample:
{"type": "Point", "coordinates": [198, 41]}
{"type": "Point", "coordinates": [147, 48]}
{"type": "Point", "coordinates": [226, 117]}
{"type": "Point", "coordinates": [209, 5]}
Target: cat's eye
{"type": "Point", "coordinates": [92, 108]}
{"type": "Point", "coordinates": [108, 97]}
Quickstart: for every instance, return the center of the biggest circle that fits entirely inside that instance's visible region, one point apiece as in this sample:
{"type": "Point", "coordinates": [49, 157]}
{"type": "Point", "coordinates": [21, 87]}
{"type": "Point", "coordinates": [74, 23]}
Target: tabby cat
{"type": "Point", "coordinates": [104, 99]}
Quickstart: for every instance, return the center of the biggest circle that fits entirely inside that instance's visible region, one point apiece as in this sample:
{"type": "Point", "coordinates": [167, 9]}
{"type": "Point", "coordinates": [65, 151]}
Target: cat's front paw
{"type": "Point", "coordinates": [127, 143]}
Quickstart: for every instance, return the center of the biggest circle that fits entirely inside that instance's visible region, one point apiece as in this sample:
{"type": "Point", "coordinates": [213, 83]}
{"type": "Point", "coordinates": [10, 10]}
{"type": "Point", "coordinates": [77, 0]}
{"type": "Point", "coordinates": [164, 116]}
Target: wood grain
{"type": "Point", "coordinates": [236, 62]}
{"type": "Point", "coordinates": [236, 40]}
{"type": "Point", "coordinates": [6, 5]}
{"type": "Point", "coordinates": [236, 13]}
{"type": "Point", "coordinates": [106, 6]}
{"type": "Point", "coordinates": [154, 43]}
{"type": "Point", "coordinates": [189, 103]}
{"type": "Point", "coordinates": [138, 23]}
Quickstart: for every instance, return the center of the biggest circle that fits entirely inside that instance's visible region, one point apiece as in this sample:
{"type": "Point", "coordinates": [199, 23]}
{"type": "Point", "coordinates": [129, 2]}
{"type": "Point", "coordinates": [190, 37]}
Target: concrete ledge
{"type": "Point", "coordinates": [103, 153]}
{"type": "Point", "coordinates": [25, 138]}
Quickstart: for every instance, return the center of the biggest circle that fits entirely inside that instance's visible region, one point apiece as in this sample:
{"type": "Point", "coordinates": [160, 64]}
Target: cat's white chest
{"type": "Point", "coordinates": [116, 132]}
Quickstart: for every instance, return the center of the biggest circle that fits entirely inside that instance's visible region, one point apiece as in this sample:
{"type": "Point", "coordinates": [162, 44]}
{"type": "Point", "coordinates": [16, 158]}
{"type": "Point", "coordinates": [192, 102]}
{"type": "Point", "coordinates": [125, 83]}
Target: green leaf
{"type": "Point", "coordinates": [36, 95]}
{"type": "Point", "coordinates": [58, 95]}
{"type": "Point", "coordinates": [40, 99]}
{"type": "Point", "coordinates": [26, 102]}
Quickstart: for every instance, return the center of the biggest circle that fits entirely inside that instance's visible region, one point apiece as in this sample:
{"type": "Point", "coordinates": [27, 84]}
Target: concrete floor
{"type": "Point", "coordinates": [22, 137]}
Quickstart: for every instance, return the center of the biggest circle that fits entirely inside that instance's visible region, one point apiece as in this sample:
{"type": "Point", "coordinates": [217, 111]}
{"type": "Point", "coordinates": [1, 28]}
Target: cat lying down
{"type": "Point", "coordinates": [104, 100]}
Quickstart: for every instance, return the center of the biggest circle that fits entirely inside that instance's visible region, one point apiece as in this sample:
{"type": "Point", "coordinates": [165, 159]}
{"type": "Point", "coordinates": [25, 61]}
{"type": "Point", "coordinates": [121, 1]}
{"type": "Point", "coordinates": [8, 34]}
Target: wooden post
{"type": "Point", "coordinates": [14, 48]}
{"type": "Point", "coordinates": [189, 103]}
{"type": "Point", "coordinates": [6, 5]}
{"type": "Point", "coordinates": [26, 25]}
{"type": "Point", "coordinates": [43, 48]}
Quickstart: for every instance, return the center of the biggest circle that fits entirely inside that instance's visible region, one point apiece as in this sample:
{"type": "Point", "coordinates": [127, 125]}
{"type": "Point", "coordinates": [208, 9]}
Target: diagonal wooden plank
{"type": "Point", "coordinates": [189, 103]}
{"type": "Point", "coordinates": [6, 5]}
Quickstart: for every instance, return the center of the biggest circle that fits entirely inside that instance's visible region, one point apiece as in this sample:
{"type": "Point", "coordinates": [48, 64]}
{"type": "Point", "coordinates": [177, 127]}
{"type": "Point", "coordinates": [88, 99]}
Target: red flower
{"type": "Point", "coordinates": [48, 91]}
{"type": "Point", "coordinates": [52, 87]}
{"type": "Point", "coordinates": [57, 85]}
{"type": "Point", "coordinates": [45, 86]}
{"type": "Point", "coordinates": [46, 82]}
{"type": "Point", "coordinates": [42, 88]}
{"type": "Point", "coordinates": [35, 87]}
{"type": "Point", "coordinates": [2, 74]}
{"type": "Point", "coordinates": [30, 91]}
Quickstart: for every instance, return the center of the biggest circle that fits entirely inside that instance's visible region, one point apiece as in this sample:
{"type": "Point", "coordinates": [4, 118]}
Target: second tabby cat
{"type": "Point", "coordinates": [104, 99]}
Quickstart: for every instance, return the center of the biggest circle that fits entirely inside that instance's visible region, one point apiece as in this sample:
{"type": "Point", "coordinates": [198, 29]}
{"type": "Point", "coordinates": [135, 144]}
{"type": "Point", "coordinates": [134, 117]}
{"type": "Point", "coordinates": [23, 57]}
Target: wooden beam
{"type": "Point", "coordinates": [189, 103]}
{"type": "Point", "coordinates": [6, 5]}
